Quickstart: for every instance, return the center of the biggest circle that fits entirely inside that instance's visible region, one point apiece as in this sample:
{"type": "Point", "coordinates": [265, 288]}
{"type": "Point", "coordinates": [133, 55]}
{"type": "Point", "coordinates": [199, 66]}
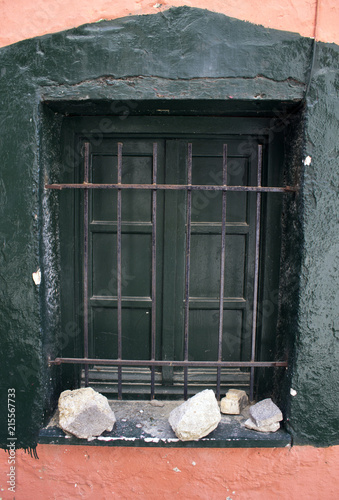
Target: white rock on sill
{"type": "Point", "coordinates": [249, 424]}
{"type": "Point", "coordinates": [234, 402]}
{"type": "Point", "coordinates": [85, 413]}
{"type": "Point", "coordinates": [197, 417]}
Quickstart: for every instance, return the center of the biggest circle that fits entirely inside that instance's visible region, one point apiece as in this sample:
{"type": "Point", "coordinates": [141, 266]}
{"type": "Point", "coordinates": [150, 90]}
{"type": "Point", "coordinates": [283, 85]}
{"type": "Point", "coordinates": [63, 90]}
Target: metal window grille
{"type": "Point", "coordinates": [152, 363]}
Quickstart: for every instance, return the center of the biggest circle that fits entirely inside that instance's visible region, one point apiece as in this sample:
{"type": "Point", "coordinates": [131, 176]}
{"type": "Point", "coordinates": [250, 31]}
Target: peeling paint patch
{"type": "Point", "coordinates": [37, 277]}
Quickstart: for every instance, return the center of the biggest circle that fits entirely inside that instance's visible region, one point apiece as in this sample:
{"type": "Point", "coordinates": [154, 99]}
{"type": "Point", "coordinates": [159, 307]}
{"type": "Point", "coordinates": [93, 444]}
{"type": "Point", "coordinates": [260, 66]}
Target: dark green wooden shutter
{"type": "Point", "coordinates": [172, 138]}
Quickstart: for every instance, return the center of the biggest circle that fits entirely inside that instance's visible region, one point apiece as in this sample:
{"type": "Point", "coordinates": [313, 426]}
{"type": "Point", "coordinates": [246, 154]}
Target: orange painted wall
{"type": "Point", "coordinates": [20, 19]}
{"type": "Point", "coordinates": [62, 472]}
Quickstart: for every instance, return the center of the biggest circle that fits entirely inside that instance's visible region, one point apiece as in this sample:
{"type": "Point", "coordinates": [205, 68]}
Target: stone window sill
{"type": "Point", "coordinates": [141, 424]}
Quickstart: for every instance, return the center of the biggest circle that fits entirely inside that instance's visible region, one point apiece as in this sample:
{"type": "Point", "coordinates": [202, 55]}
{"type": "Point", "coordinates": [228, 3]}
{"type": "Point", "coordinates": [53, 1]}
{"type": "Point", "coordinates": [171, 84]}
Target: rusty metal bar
{"type": "Point", "coordinates": [222, 266]}
{"type": "Point", "coordinates": [224, 188]}
{"type": "Point", "coordinates": [256, 272]}
{"type": "Point", "coordinates": [188, 257]}
{"type": "Point", "coordinates": [154, 264]}
{"type": "Point", "coordinates": [85, 265]}
{"type": "Point", "coordinates": [179, 364]}
{"type": "Point", "coordinates": [119, 309]}
{"type": "Point", "coordinates": [175, 187]}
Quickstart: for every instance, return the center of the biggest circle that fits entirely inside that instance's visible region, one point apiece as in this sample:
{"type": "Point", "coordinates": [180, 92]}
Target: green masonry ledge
{"type": "Point", "coordinates": [127, 436]}
{"type": "Point", "coordinates": [138, 423]}
{"type": "Point", "coordinates": [182, 53]}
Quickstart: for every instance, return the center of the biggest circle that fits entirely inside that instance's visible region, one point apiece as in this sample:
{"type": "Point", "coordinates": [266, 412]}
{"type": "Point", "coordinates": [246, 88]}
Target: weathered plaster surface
{"type": "Point", "coordinates": [21, 19]}
{"type": "Point", "coordinates": [317, 347]}
{"type": "Point", "coordinates": [302, 473]}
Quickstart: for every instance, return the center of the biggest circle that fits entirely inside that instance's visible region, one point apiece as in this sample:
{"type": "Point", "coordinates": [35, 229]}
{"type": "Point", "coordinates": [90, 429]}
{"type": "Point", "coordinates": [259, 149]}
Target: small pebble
{"type": "Point", "coordinates": [155, 402]}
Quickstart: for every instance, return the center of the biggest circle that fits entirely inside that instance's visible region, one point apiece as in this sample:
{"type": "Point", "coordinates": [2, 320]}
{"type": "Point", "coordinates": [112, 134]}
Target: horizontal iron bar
{"type": "Point", "coordinates": [145, 362]}
{"type": "Point", "coordinates": [174, 187]}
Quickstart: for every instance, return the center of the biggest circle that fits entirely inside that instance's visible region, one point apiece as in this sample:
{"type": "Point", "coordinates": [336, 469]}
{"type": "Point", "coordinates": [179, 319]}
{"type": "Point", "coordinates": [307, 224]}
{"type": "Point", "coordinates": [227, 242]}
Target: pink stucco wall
{"type": "Point", "coordinates": [21, 19]}
{"type": "Point", "coordinates": [99, 473]}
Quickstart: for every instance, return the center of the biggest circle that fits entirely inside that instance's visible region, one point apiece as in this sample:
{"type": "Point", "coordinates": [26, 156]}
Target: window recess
{"type": "Point", "coordinates": [171, 232]}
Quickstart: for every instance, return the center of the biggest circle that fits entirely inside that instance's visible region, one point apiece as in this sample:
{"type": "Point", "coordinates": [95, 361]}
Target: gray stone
{"type": "Point", "coordinates": [85, 413]}
{"type": "Point", "coordinates": [265, 428]}
{"type": "Point", "coordinates": [197, 417]}
{"type": "Point", "coordinates": [234, 402]}
{"type": "Point", "coordinates": [265, 413]}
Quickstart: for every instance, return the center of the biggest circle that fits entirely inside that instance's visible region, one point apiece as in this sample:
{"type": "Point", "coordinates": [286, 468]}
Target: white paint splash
{"type": "Point", "coordinates": [151, 440]}
{"type": "Point", "coordinates": [307, 161]}
{"type": "Point", "coordinates": [113, 438]}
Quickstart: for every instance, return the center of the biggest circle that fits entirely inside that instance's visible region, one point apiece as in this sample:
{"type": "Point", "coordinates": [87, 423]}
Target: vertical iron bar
{"type": "Point", "coordinates": [222, 266]}
{"type": "Point", "coordinates": [85, 270]}
{"type": "Point", "coordinates": [154, 253]}
{"type": "Point", "coordinates": [188, 255]}
{"type": "Point", "coordinates": [119, 270]}
{"type": "Point", "coordinates": [256, 271]}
